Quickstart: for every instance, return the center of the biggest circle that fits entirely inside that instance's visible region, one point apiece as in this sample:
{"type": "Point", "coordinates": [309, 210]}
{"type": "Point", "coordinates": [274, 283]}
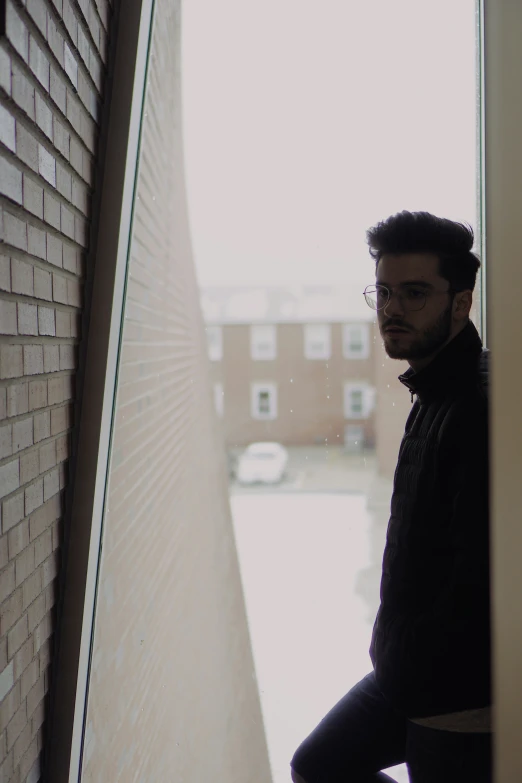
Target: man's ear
{"type": "Point", "coordinates": [462, 304]}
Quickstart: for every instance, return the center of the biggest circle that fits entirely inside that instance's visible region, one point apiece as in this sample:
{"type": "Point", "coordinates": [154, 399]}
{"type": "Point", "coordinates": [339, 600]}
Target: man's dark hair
{"type": "Point", "coordinates": [421, 232]}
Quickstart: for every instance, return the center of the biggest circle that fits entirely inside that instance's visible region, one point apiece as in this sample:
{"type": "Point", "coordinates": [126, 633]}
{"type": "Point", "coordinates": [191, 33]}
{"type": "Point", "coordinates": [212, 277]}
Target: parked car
{"type": "Point", "coordinates": [263, 463]}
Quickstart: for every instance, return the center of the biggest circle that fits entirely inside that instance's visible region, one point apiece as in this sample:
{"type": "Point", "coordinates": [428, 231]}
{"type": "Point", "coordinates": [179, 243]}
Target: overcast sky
{"type": "Point", "coordinates": [307, 122]}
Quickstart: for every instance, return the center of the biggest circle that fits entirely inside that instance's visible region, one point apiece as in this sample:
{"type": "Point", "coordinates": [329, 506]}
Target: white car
{"type": "Point", "coordinates": [262, 462]}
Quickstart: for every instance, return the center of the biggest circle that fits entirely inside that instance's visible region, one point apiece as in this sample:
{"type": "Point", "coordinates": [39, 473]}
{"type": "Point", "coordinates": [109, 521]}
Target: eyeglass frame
{"type": "Point", "coordinates": [391, 289]}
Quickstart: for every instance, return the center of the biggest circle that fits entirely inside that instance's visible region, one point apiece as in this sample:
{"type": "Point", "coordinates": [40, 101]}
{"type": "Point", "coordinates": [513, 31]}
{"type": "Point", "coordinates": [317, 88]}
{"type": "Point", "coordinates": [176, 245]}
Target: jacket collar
{"type": "Point", "coordinates": [449, 368]}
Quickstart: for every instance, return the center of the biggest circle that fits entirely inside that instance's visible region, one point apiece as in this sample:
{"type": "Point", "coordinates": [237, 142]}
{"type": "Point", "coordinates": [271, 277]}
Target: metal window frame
{"type": "Point", "coordinates": [111, 241]}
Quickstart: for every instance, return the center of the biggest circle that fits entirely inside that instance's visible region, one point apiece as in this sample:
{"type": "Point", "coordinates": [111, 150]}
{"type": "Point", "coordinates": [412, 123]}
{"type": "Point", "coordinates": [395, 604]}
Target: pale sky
{"type": "Point", "coordinates": [307, 122]}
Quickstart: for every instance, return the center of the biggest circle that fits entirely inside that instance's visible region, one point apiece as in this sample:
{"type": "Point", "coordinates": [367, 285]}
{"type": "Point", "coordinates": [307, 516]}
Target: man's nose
{"type": "Point", "coordinates": [394, 305]}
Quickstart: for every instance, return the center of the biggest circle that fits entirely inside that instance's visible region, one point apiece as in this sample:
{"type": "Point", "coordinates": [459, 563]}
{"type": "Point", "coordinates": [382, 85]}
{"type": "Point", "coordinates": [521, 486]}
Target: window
{"type": "Point", "coordinates": [353, 437]}
{"type": "Point", "coordinates": [356, 341]}
{"type": "Point", "coordinates": [219, 399]}
{"type": "Point", "coordinates": [263, 342]}
{"type": "Point", "coordinates": [214, 343]}
{"type": "Point", "coordinates": [317, 341]}
{"type": "Point", "coordinates": [358, 400]}
{"type": "Point", "coordinates": [264, 401]}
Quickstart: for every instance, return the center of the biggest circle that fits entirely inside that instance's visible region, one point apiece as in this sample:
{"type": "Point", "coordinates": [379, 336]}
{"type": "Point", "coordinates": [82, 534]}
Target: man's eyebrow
{"type": "Point", "coordinates": [421, 283]}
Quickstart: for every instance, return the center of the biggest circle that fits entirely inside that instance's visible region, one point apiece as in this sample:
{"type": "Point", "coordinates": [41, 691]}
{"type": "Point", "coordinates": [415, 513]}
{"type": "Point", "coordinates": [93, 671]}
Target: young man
{"type": "Point", "coordinates": [427, 700]}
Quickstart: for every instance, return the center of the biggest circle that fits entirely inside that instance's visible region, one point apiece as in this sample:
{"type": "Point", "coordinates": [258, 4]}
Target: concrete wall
{"type": "Point", "coordinates": [172, 691]}
{"type": "Point", "coordinates": [53, 58]}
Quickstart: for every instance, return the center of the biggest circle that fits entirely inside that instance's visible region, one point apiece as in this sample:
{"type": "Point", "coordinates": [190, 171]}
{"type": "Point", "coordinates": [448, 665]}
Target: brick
{"type": "Point", "coordinates": [70, 258]}
{"type": "Point", "coordinates": [60, 289]}
{"type": "Point", "coordinates": [52, 211]}
{"type": "Point", "coordinates": [67, 357]}
{"type": "Point", "coordinates": [50, 569]}
{"type": "Point", "coordinates": [51, 485]}
{"type": "Point", "coordinates": [63, 323]}
{"type": "Point", "coordinates": [37, 692]}
{"type": "Point", "coordinates": [84, 47]}
{"type": "Point", "coordinates": [44, 517]}
{"type": "Point", "coordinates": [7, 128]}
{"type": "Point", "coordinates": [54, 250]}
{"type": "Point", "coordinates": [70, 21]}
{"type": "Point", "coordinates": [22, 743]}
{"type": "Point", "coordinates": [58, 90]}
{"type": "Point", "coordinates": [7, 582]}
{"type": "Point", "coordinates": [16, 725]}
{"type": "Point", "coordinates": [15, 231]}
{"type": "Point", "coordinates": [11, 363]}
{"type": "Point", "coordinates": [45, 655]}
{"type": "Point", "coordinates": [37, 394]}
{"type": "Point", "coordinates": [43, 546]}
{"type": "Point", "coordinates": [17, 636]}
{"type": "Point", "coordinates": [43, 284]}
{"type": "Point", "coordinates": [46, 167]}
{"type": "Point", "coordinates": [74, 293]}
{"type": "Point", "coordinates": [17, 541]}
{"type": "Point", "coordinates": [63, 182]}
{"type": "Point", "coordinates": [62, 139]}
{"type": "Point", "coordinates": [12, 512]}
{"type": "Point", "coordinates": [29, 468]}
{"type": "Point", "coordinates": [74, 110]}
{"type": "Point", "coordinates": [6, 680]}
{"type": "Point", "coordinates": [55, 390]}
{"type": "Point", "coordinates": [10, 705]}
{"type": "Point", "coordinates": [3, 656]}
{"type": "Point", "coordinates": [5, 71]}
{"type": "Point", "coordinates": [43, 632]}
{"type": "Point", "coordinates": [35, 615]}
{"type": "Point", "coordinates": [42, 427]}
{"type": "Point", "coordinates": [47, 456]}
{"type": "Point", "coordinates": [23, 92]}
{"type": "Point", "coordinates": [57, 535]}
{"type": "Point", "coordinates": [80, 196]}
{"type": "Point", "coordinates": [62, 447]}
{"type": "Point", "coordinates": [58, 421]}
{"type": "Point", "coordinates": [37, 10]}
{"type": "Point", "coordinates": [34, 496]}
{"type": "Point", "coordinates": [31, 588]}
{"type": "Point", "coordinates": [7, 769]}
{"type": "Point", "coordinates": [81, 231]}
{"type": "Point", "coordinates": [22, 434]}
{"type": "Point", "coordinates": [26, 147]}
{"type": "Point", "coordinates": [46, 324]}
{"type": "Point", "coordinates": [55, 40]}
{"type": "Point", "coordinates": [5, 273]}
{"type": "Point", "coordinates": [27, 318]}
{"type": "Point", "coordinates": [17, 32]}
{"type": "Point", "coordinates": [75, 324]}
{"type": "Point", "coordinates": [33, 196]}
{"type": "Point", "coordinates": [4, 553]}
{"type": "Point", "coordinates": [62, 467]}
{"type": "Point", "coordinates": [51, 358]}
{"type": "Point", "coordinates": [67, 222]}
{"type": "Point", "coordinates": [34, 359]}
{"type": "Point", "coordinates": [10, 180]}
{"type": "Point", "coordinates": [9, 478]}
{"type": "Point", "coordinates": [50, 592]}
{"type": "Point", "coordinates": [6, 441]}
{"type": "Point", "coordinates": [24, 563]}
{"type": "Point", "coordinates": [17, 399]}
{"type": "Point", "coordinates": [94, 24]}
{"type": "Point", "coordinates": [22, 280]}
{"type": "Point", "coordinates": [38, 63]}
{"type": "Point", "coordinates": [3, 402]}
{"type": "Point", "coordinates": [30, 770]}
{"type": "Point", "coordinates": [11, 617]}
{"type": "Point", "coordinates": [8, 322]}
{"type": "Point", "coordinates": [71, 66]}
{"type": "Point", "coordinates": [76, 156]}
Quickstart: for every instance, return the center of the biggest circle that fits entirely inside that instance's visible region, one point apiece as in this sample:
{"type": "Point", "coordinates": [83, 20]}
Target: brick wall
{"type": "Point", "coordinates": [172, 690]}
{"type": "Point", "coordinates": [52, 67]}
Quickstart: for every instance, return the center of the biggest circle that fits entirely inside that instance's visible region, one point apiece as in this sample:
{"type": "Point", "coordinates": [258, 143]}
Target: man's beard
{"type": "Point", "coordinates": [428, 342]}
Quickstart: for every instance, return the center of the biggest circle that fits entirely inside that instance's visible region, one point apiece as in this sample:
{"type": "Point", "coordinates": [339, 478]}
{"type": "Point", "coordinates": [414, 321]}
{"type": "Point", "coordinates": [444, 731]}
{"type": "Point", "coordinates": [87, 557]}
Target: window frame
{"type": "Point", "coordinates": [255, 389]}
{"type": "Point", "coordinates": [327, 353]}
{"type": "Point", "coordinates": [367, 400]}
{"type": "Point", "coordinates": [365, 333]}
{"type": "Point", "coordinates": [254, 353]}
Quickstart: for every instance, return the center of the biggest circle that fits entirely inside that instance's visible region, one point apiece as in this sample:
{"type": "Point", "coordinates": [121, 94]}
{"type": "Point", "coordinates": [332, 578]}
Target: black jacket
{"type": "Point", "coordinates": [431, 640]}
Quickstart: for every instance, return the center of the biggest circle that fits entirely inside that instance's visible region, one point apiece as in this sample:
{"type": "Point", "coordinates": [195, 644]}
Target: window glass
{"type": "Point", "coordinates": [264, 401]}
{"type": "Point", "coordinates": [356, 341]}
{"type": "Point", "coordinates": [317, 341]}
{"type": "Point", "coordinates": [263, 342]}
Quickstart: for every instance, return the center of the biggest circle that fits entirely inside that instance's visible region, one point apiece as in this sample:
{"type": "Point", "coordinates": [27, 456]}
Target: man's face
{"type": "Point", "coordinates": [414, 335]}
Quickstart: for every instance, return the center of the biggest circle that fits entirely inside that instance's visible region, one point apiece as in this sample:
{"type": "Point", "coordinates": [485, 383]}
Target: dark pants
{"type": "Point", "coordinates": [363, 735]}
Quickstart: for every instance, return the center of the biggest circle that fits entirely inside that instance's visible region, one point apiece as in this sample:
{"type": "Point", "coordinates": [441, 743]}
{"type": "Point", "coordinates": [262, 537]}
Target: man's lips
{"type": "Point", "coordinates": [396, 330]}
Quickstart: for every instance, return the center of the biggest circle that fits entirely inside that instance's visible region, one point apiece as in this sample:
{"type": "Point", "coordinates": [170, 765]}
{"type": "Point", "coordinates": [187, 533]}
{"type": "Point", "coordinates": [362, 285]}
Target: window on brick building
{"type": "Point", "coordinates": [358, 400]}
{"type": "Point", "coordinates": [264, 401]}
{"type": "Point", "coordinates": [317, 341]}
{"type": "Point", "coordinates": [263, 342]}
{"type": "Point", "coordinates": [356, 341]}
{"type": "Point", "coordinates": [215, 343]}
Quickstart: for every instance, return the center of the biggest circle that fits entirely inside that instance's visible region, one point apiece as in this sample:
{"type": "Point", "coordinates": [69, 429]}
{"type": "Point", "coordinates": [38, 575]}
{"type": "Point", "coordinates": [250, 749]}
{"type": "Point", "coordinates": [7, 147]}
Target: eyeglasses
{"type": "Point", "coordinates": [411, 297]}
